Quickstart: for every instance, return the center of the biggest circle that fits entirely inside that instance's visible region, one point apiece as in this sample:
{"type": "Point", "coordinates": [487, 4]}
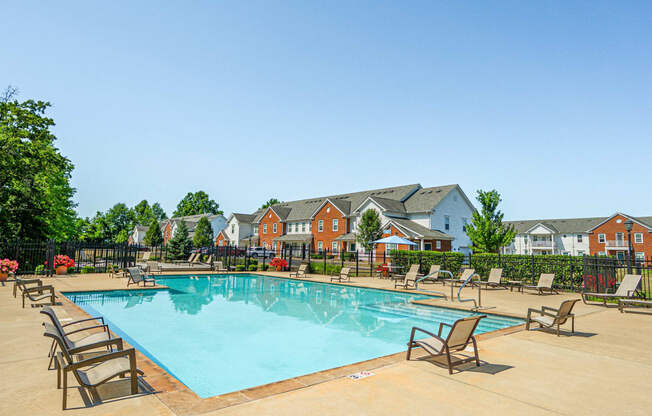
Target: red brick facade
{"type": "Point", "coordinates": [221, 239]}
{"type": "Point", "coordinates": [616, 225]}
{"type": "Point", "coordinates": [445, 245]}
{"type": "Point", "coordinates": [327, 236]}
{"type": "Point", "coordinates": [167, 232]}
{"type": "Point", "coordinates": [267, 235]}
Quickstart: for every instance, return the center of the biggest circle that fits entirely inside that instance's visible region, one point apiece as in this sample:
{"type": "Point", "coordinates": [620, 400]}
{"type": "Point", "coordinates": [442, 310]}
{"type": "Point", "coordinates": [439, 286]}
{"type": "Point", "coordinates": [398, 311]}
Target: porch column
{"type": "Point", "coordinates": [421, 244]}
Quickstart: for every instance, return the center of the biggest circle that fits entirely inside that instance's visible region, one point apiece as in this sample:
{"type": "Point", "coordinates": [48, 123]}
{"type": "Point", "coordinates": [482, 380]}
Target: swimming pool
{"type": "Point", "coordinates": [222, 333]}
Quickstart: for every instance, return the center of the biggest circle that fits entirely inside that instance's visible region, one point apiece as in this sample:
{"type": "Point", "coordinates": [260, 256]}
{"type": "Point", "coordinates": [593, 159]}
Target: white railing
{"type": "Point", "coordinates": [617, 243]}
{"type": "Point", "coordinates": [542, 244]}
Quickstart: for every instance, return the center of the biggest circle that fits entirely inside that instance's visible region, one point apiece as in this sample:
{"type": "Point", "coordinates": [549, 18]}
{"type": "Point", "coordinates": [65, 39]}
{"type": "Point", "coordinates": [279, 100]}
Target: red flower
{"type": "Point", "coordinates": [63, 260]}
{"type": "Point", "coordinates": [278, 262]}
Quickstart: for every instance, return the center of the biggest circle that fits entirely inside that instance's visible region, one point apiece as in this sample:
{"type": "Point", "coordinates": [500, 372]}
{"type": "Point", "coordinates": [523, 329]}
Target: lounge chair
{"type": "Point", "coordinates": [91, 324]}
{"type": "Point", "coordinates": [40, 294]}
{"type": "Point", "coordinates": [136, 276]}
{"type": "Point", "coordinates": [219, 267]}
{"type": "Point", "coordinates": [408, 282]}
{"type": "Point", "coordinates": [153, 267]}
{"type": "Point", "coordinates": [460, 335]}
{"type": "Point", "coordinates": [626, 290]}
{"type": "Point", "coordinates": [433, 274]}
{"type": "Point", "coordinates": [301, 272]}
{"type": "Point", "coordinates": [414, 268]}
{"type": "Point", "coordinates": [342, 276]}
{"type": "Point", "coordinates": [544, 284]}
{"type": "Point", "coordinates": [551, 316]}
{"type": "Point", "coordinates": [23, 283]}
{"type": "Point", "coordinates": [466, 273]}
{"type": "Point", "coordinates": [114, 271]}
{"type": "Point", "coordinates": [94, 371]}
{"type": "Point", "coordinates": [495, 278]}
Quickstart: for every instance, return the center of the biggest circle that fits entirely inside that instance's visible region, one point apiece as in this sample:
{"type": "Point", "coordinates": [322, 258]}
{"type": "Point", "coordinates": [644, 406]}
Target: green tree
{"type": "Point", "coordinates": [35, 192]}
{"type": "Point", "coordinates": [203, 233]}
{"type": "Point", "coordinates": [143, 213]}
{"type": "Point", "coordinates": [369, 229]}
{"type": "Point", "coordinates": [121, 221]}
{"type": "Point", "coordinates": [272, 201]}
{"type": "Point", "coordinates": [158, 212]}
{"type": "Point", "coordinates": [153, 236]}
{"type": "Point", "coordinates": [179, 245]}
{"type": "Point", "coordinates": [487, 231]}
{"type": "Point", "coordinates": [195, 204]}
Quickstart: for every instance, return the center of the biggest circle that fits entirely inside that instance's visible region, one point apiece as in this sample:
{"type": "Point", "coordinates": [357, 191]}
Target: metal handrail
{"type": "Point", "coordinates": [416, 286]}
{"type": "Point", "coordinates": [459, 291]}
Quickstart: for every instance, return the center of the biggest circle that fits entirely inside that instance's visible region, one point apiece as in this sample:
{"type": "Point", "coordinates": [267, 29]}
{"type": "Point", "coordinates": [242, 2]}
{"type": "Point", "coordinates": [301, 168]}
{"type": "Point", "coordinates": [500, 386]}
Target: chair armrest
{"type": "Point", "coordinates": [106, 329]}
{"type": "Point", "coordinates": [31, 281]}
{"type": "Point", "coordinates": [99, 318]}
{"type": "Point", "coordinates": [100, 344]}
{"type": "Point", "coordinates": [441, 326]}
{"type": "Point", "coordinates": [414, 329]}
{"type": "Point", "coordinates": [548, 308]}
{"type": "Point", "coordinates": [131, 353]}
{"type": "Point", "coordinates": [38, 289]}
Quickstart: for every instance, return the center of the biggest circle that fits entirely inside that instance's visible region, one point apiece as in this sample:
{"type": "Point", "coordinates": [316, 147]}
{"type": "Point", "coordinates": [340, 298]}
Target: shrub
{"type": "Point", "coordinates": [87, 269]}
{"type": "Point", "coordinates": [40, 269]}
{"type": "Point", "coordinates": [348, 256]}
{"type": "Point", "coordinates": [253, 268]}
{"type": "Point", "coordinates": [72, 270]}
{"type": "Point", "coordinates": [316, 256]}
{"type": "Point", "coordinates": [253, 261]}
{"type": "Point", "coordinates": [239, 268]}
{"type": "Point", "coordinates": [263, 267]}
{"type": "Point", "coordinates": [449, 260]}
{"type": "Point", "coordinates": [318, 268]}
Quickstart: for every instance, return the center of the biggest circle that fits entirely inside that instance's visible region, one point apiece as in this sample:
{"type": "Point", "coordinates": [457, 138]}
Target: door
{"type": "Point", "coordinates": [620, 255]}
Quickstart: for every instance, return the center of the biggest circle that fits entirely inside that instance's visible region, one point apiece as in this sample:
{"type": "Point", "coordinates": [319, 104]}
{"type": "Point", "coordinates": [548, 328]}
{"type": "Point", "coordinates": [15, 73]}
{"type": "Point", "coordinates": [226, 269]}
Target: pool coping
{"type": "Point", "coordinates": [183, 401]}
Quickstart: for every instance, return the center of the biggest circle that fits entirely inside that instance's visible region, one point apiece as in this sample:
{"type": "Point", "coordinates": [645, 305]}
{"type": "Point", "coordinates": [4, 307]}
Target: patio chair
{"type": "Point", "coordinates": [136, 276]}
{"type": "Point", "coordinates": [495, 278]}
{"type": "Point", "coordinates": [433, 274]}
{"type": "Point", "coordinates": [114, 271]}
{"type": "Point", "coordinates": [408, 282]}
{"type": "Point", "coordinates": [90, 324]}
{"type": "Point", "coordinates": [21, 284]}
{"type": "Point", "coordinates": [414, 268]}
{"type": "Point", "coordinates": [39, 294]}
{"type": "Point", "coordinates": [626, 290]}
{"type": "Point", "coordinates": [301, 271]}
{"type": "Point", "coordinates": [342, 276]}
{"type": "Point", "coordinates": [219, 267]}
{"type": "Point", "coordinates": [94, 371]}
{"type": "Point", "coordinates": [153, 267]}
{"type": "Point", "coordinates": [551, 317]}
{"type": "Point", "coordinates": [544, 284]}
{"type": "Point", "coordinates": [466, 273]}
{"type": "Point", "coordinates": [461, 333]}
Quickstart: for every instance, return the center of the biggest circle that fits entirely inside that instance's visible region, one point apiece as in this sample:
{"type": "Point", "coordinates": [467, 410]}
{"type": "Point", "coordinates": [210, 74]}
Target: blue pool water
{"type": "Point", "coordinates": [223, 333]}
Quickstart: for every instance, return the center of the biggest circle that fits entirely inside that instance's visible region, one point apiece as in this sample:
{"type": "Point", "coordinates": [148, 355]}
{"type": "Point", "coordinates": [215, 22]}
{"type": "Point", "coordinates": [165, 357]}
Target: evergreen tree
{"type": "Point", "coordinates": [203, 233]}
{"type": "Point", "coordinates": [487, 231]}
{"type": "Point", "coordinates": [153, 236]}
{"type": "Point", "coordinates": [369, 229]}
{"type": "Point", "coordinates": [179, 245]}
{"type": "Point", "coordinates": [158, 212]}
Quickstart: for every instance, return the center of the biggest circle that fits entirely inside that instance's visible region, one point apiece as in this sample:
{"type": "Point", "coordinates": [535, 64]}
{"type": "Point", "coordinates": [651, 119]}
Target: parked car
{"type": "Point", "coordinates": [260, 252]}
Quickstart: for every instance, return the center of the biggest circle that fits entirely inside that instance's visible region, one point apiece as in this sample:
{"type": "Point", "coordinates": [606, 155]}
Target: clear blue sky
{"type": "Point", "coordinates": [550, 103]}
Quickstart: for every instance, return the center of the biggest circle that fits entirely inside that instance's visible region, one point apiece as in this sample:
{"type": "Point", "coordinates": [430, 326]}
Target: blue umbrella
{"type": "Point", "coordinates": [394, 239]}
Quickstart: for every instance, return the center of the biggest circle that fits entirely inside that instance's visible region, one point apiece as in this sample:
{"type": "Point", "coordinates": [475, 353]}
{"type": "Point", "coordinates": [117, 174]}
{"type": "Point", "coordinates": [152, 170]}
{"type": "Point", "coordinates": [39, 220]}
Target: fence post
{"type": "Point", "coordinates": [290, 262]}
{"type": "Point", "coordinates": [264, 258]}
{"type": "Point", "coordinates": [570, 271]}
{"type": "Point", "coordinates": [532, 269]}
{"type": "Point", "coordinates": [309, 255]}
{"type": "Point", "coordinates": [371, 262]}
{"type": "Point", "coordinates": [443, 261]}
{"type": "Point", "coordinates": [357, 262]}
{"type": "Point", "coordinates": [325, 254]}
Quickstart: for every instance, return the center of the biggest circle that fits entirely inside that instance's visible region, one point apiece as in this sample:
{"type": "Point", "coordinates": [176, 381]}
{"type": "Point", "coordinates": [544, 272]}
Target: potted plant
{"type": "Point", "coordinates": [7, 266]}
{"type": "Point", "coordinates": [62, 263]}
{"type": "Point", "coordinates": [278, 263]}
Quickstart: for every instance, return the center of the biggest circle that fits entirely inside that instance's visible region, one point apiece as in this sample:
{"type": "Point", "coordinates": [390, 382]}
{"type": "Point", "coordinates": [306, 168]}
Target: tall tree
{"type": "Point", "coordinates": [487, 231]}
{"type": "Point", "coordinates": [158, 212]}
{"type": "Point", "coordinates": [369, 229]}
{"type": "Point", "coordinates": [196, 203]}
{"type": "Point", "coordinates": [121, 221]}
{"type": "Point", "coordinates": [179, 245]}
{"type": "Point", "coordinates": [272, 201]}
{"type": "Point", "coordinates": [143, 213]}
{"type": "Point", "coordinates": [153, 236]}
{"type": "Point", "coordinates": [35, 192]}
{"type": "Point", "coordinates": [203, 234]}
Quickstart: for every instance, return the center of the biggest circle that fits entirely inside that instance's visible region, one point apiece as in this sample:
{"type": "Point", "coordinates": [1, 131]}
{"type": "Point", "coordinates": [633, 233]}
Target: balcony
{"type": "Point", "coordinates": [541, 244]}
{"type": "Point", "coordinates": [616, 245]}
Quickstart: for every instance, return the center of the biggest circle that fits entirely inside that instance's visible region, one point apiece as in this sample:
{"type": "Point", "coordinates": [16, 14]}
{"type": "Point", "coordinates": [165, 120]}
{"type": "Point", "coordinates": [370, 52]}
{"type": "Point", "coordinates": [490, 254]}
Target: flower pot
{"type": "Point", "coordinates": [3, 276]}
{"type": "Point", "coordinates": [278, 268]}
{"type": "Point", "coordinates": [61, 270]}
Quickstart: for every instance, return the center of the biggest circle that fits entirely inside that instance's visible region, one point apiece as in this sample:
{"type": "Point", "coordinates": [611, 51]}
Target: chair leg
{"type": "Point", "coordinates": [475, 349]}
{"type": "Point", "coordinates": [448, 358]}
{"type": "Point", "coordinates": [65, 387]}
{"type": "Point", "coordinates": [557, 329]}
{"type": "Point", "coordinates": [573, 324]}
{"type": "Point", "coordinates": [409, 351]}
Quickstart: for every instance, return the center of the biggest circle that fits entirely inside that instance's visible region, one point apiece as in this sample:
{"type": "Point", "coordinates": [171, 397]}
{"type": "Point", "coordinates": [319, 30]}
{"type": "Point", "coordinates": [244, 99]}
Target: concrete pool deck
{"type": "Point", "coordinates": [602, 369]}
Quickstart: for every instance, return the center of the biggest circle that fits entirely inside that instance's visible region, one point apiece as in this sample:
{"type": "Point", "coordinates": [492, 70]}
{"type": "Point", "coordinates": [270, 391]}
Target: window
{"type": "Point", "coordinates": [320, 226]}
{"type": "Point", "coordinates": [602, 253]}
{"type": "Point", "coordinates": [310, 226]}
{"type": "Point", "coordinates": [580, 252]}
{"type": "Point", "coordinates": [303, 227]}
{"type": "Point", "coordinates": [351, 246]}
{"type": "Point", "coordinates": [639, 256]}
{"type": "Point", "coordinates": [352, 226]}
{"type": "Point", "coordinates": [579, 238]}
{"type": "Point", "coordinates": [447, 223]}
{"type": "Point", "coordinates": [601, 238]}
{"type": "Point", "coordinates": [274, 244]}
{"type": "Point", "coordinates": [320, 246]}
{"type": "Point", "coordinates": [335, 224]}
{"type": "Point", "coordinates": [221, 243]}
{"type": "Point", "coordinates": [274, 228]}
{"type": "Point", "coordinates": [427, 246]}
{"type": "Point", "coordinates": [232, 228]}
{"type": "Point", "coordinates": [464, 224]}
{"type": "Point", "coordinates": [255, 230]}
{"type": "Point", "coordinates": [264, 228]}
{"type": "Point", "coordinates": [638, 238]}
{"type": "Point", "coordinates": [620, 236]}
{"type": "Point", "coordinates": [334, 246]}
{"type": "Point", "coordinates": [438, 244]}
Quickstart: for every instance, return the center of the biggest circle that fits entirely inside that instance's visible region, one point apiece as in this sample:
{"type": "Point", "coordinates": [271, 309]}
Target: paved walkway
{"type": "Point", "coordinates": [603, 369]}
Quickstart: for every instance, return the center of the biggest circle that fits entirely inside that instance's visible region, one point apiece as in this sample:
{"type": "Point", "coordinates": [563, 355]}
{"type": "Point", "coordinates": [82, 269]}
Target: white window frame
{"type": "Point", "coordinates": [602, 238]}
{"type": "Point", "coordinates": [438, 244]}
{"type": "Point", "coordinates": [638, 238]}
{"type": "Point", "coordinates": [580, 238]}
{"type": "Point", "coordinates": [320, 246]}
{"type": "Point", "coordinates": [447, 222]}
{"type": "Point", "coordinates": [334, 246]}
{"type": "Point", "coordinates": [639, 256]}
{"type": "Point", "coordinates": [274, 245]}
{"type": "Point", "coordinates": [274, 228]}
{"type": "Point", "coordinates": [335, 224]}
{"type": "Point", "coordinates": [303, 227]}
{"type": "Point", "coordinates": [264, 228]}
{"type": "Point", "coordinates": [320, 226]}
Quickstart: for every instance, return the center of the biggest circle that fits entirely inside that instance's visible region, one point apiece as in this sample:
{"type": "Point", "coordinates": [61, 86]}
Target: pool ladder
{"type": "Point", "coordinates": [476, 305]}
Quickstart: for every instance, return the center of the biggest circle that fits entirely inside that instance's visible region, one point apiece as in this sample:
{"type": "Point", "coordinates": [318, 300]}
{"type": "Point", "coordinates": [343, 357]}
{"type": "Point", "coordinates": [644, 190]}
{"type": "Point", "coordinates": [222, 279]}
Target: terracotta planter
{"type": "Point", "coordinates": [278, 268]}
{"type": "Point", "coordinates": [61, 270]}
{"type": "Point", "coordinates": [3, 276]}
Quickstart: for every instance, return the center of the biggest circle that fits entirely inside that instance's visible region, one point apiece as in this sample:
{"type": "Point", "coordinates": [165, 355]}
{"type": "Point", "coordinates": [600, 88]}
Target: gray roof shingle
{"type": "Point", "coordinates": [563, 225]}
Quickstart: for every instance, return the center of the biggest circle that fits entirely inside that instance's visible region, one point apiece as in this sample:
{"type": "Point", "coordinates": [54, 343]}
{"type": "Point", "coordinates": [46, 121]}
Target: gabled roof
{"type": "Point", "coordinates": [562, 225]}
{"type": "Point", "coordinates": [341, 205]}
{"type": "Point", "coordinates": [243, 218]}
{"type": "Point", "coordinates": [426, 199]}
{"type": "Point", "coordinates": [548, 227]}
{"type": "Point", "coordinates": [642, 221]}
{"type": "Point", "coordinates": [389, 204]}
{"type": "Point", "coordinates": [415, 230]}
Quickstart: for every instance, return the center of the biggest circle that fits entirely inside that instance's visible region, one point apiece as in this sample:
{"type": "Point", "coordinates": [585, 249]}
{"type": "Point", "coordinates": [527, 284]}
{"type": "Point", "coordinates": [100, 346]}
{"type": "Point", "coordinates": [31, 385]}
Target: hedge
{"type": "Point", "coordinates": [448, 260]}
{"type": "Point", "coordinates": [318, 268]}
